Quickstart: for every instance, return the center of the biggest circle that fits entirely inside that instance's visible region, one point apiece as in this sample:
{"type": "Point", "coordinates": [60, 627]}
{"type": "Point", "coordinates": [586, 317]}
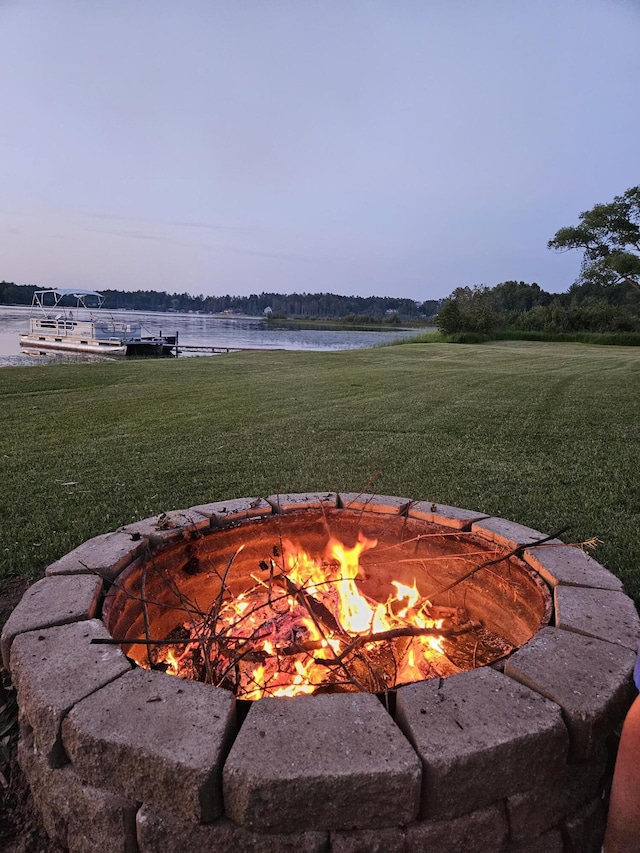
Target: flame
{"type": "Point", "coordinates": [172, 662]}
{"type": "Point", "coordinates": [274, 638]}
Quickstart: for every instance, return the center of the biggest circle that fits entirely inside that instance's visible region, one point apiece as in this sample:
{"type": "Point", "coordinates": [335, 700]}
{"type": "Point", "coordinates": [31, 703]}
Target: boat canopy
{"type": "Point", "coordinates": [76, 292]}
{"type": "Point", "coordinates": [49, 300]}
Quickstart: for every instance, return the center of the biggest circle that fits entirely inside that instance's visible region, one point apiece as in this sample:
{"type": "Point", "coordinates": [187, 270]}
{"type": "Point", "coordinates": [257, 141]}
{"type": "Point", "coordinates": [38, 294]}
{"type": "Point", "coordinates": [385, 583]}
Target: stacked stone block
{"type": "Point", "coordinates": [486, 761]}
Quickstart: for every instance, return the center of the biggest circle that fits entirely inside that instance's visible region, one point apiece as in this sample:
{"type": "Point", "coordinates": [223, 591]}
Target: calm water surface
{"type": "Point", "coordinates": [200, 330]}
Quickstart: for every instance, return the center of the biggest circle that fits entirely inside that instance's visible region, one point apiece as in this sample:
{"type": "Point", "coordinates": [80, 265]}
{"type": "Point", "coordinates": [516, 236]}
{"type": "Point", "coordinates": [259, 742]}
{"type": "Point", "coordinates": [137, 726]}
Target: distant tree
{"type": "Point", "coordinates": [450, 318]}
{"type": "Point", "coordinates": [518, 305]}
{"type": "Point", "coordinates": [516, 296]}
{"type": "Point", "coordinates": [15, 294]}
{"type": "Point", "coordinates": [609, 234]}
{"type": "Point", "coordinates": [430, 307]}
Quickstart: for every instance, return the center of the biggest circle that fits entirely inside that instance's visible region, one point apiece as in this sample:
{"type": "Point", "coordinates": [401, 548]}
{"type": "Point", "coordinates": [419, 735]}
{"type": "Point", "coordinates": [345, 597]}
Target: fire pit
{"type": "Point", "coordinates": [466, 674]}
{"type": "Point", "coordinates": [325, 599]}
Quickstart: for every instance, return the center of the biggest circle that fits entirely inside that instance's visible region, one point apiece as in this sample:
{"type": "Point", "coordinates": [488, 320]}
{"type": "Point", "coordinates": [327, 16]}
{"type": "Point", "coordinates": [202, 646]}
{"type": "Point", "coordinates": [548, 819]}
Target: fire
{"type": "Point", "coordinates": [307, 624]}
{"type": "Point", "coordinates": [172, 662]}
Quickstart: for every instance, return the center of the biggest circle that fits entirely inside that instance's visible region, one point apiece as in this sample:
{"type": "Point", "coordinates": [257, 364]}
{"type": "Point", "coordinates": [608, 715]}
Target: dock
{"type": "Point", "coordinates": [221, 349]}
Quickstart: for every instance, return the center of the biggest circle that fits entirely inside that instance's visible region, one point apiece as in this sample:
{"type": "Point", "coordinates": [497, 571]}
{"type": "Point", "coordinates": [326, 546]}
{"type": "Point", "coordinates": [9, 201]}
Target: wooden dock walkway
{"type": "Point", "coordinates": [221, 349]}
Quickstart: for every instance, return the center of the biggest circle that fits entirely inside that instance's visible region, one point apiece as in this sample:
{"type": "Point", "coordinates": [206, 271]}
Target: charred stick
{"type": "Point", "coordinates": [194, 614]}
{"type": "Point", "coordinates": [313, 605]}
{"type": "Point", "coordinates": [240, 653]}
{"type": "Point", "coordinates": [214, 610]}
{"type": "Point", "coordinates": [109, 641]}
{"type": "Point", "coordinates": [208, 638]}
{"type": "Point", "coordinates": [310, 645]}
{"type": "Point", "coordinates": [392, 634]}
{"type": "Point", "coordinates": [401, 632]}
{"type": "Point", "coordinates": [515, 552]}
{"type": "Point", "coordinates": [410, 631]}
{"type": "Point", "coordinates": [270, 585]}
{"type": "Point", "coordinates": [140, 598]}
{"type": "Point", "coordinates": [145, 611]}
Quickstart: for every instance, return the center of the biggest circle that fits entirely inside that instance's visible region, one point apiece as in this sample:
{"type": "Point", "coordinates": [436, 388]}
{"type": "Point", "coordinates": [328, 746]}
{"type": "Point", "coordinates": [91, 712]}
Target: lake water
{"type": "Point", "coordinates": [201, 330]}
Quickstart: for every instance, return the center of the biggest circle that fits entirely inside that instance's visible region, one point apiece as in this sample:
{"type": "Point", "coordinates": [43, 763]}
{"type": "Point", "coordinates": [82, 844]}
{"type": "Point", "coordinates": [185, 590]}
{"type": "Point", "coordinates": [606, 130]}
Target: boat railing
{"type": "Point", "coordinates": [89, 328]}
{"type": "Point", "coordinates": [64, 327]}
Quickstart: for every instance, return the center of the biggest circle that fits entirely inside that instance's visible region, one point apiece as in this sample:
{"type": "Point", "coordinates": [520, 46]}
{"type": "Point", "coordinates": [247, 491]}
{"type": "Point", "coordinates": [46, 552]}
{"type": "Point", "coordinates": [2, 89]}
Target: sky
{"type": "Point", "coordinates": [361, 147]}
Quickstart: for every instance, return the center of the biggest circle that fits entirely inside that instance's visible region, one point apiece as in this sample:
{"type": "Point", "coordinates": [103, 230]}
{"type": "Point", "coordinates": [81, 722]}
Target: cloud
{"type": "Point", "coordinates": [170, 222]}
{"type": "Point", "coordinates": [218, 247]}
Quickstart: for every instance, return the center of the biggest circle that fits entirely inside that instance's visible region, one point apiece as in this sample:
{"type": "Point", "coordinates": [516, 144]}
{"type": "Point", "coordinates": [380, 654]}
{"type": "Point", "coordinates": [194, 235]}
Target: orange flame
{"type": "Point", "coordinates": [297, 651]}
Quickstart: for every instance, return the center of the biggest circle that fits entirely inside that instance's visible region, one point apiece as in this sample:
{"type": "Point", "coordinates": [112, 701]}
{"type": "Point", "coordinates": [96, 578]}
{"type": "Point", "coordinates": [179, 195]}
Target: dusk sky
{"type": "Point", "coordinates": [368, 147]}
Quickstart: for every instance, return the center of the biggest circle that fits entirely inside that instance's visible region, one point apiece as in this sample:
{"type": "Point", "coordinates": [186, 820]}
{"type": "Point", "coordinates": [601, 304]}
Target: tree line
{"type": "Point", "coordinates": [605, 298]}
{"type": "Point", "coordinates": [298, 305]}
{"type": "Point", "coordinates": [586, 307]}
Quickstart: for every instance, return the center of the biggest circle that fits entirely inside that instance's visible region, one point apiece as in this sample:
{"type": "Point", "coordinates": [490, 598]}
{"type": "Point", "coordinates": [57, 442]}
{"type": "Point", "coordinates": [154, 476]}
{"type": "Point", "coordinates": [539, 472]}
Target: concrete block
{"type": "Point", "coordinates": [154, 737]}
{"type": "Point", "coordinates": [481, 831]}
{"type": "Point", "coordinates": [391, 840]}
{"type": "Point", "coordinates": [77, 816]}
{"type": "Point", "coordinates": [222, 513]}
{"type": "Point", "coordinates": [374, 503]}
{"type": "Point", "coordinates": [160, 831]}
{"type": "Point", "coordinates": [565, 564]}
{"type": "Point", "coordinates": [589, 678]}
{"type": "Point", "coordinates": [304, 764]}
{"type": "Point", "coordinates": [100, 821]}
{"type": "Point", "coordinates": [543, 807]}
{"type": "Point", "coordinates": [51, 601]}
{"type": "Point", "coordinates": [448, 516]}
{"type": "Point", "coordinates": [55, 668]}
{"type": "Point", "coordinates": [49, 788]}
{"type": "Point", "coordinates": [480, 737]}
{"type": "Point", "coordinates": [168, 527]}
{"type": "Point", "coordinates": [508, 533]}
{"type": "Point", "coordinates": [584, 831]}
{"type": "Point", "coordinates": [303, 500]}
{"type": "Point", "coordinates": [550, 842]}
{"type": "Point", "coordinates": [607, 614]}
{"type": "Point", "coordinates": [104, 555]}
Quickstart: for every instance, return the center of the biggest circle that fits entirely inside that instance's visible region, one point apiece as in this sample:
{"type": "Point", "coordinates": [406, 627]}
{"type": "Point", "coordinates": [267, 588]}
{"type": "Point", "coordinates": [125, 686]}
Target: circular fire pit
{"type": "Point", "coordinates": [325, 599]}
{"type": "Point", "coordinates": [451, 753]}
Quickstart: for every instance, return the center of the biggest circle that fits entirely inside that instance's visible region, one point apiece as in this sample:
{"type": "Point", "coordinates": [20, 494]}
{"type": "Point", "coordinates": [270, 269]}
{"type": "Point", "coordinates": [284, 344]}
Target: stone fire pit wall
{"type": "Point", "coordinates": [512, 757]}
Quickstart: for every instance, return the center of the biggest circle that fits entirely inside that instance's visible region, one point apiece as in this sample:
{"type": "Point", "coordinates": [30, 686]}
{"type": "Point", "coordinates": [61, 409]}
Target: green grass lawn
{"type": "Point", "coordinates": [545, 434]}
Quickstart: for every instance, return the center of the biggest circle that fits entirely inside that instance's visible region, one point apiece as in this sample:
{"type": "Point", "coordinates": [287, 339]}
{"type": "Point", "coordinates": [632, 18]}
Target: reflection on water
{"type": "Point", "coordinates": [200, 330]}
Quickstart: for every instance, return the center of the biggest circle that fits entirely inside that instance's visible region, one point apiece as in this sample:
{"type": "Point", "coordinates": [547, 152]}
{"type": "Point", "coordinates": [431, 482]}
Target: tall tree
{"type": "Point", "coordinates": [609, 234]}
